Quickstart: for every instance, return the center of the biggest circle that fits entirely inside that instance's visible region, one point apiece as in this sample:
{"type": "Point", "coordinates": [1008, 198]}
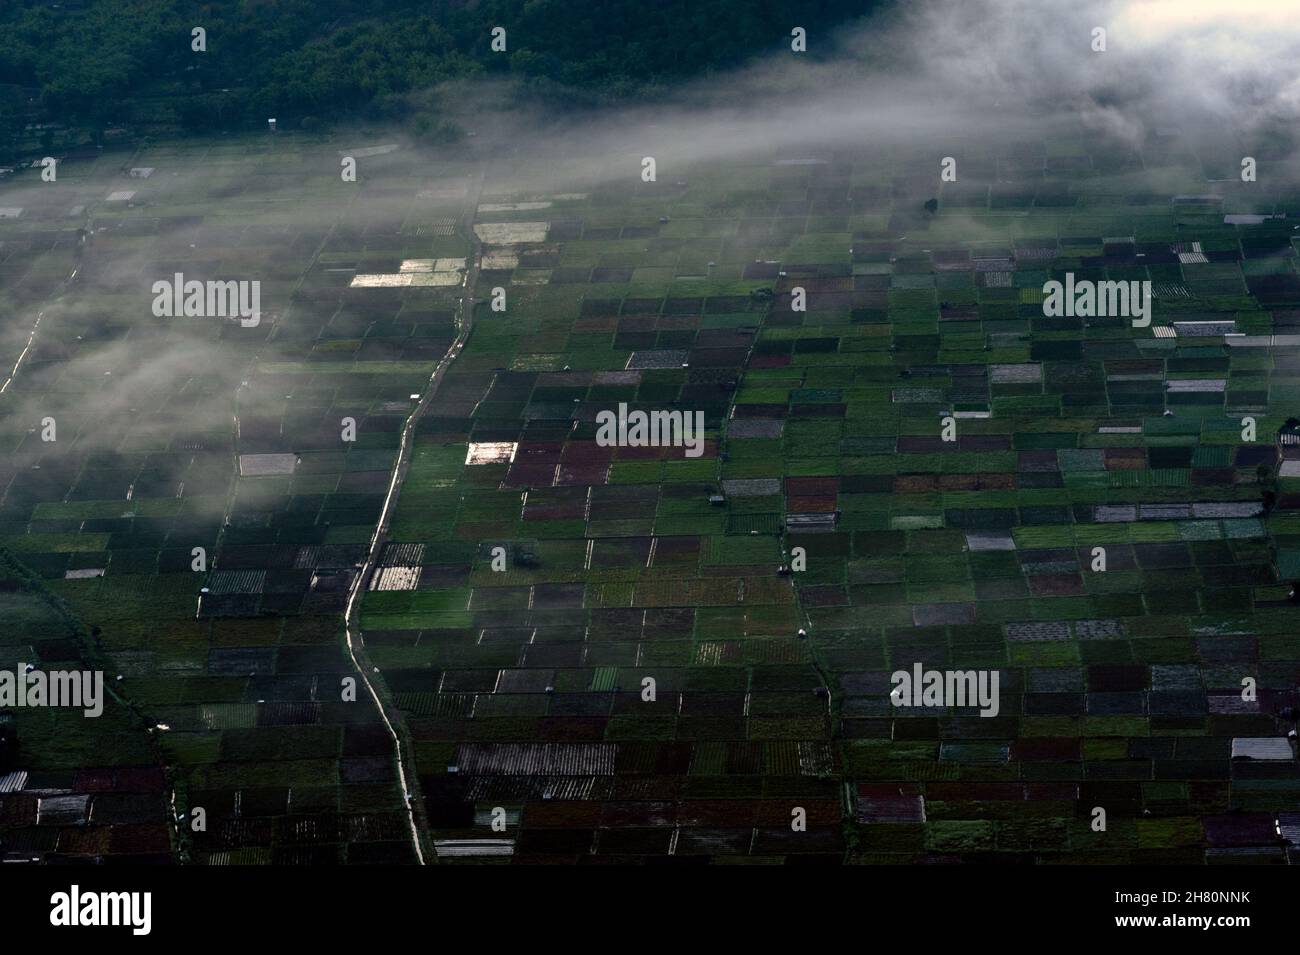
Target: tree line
{"type": "Point", "coordinates": [95, 64]}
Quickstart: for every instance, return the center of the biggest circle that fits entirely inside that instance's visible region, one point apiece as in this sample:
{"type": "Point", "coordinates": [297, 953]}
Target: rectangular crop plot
{"type": "Point", "coordinates": [265, 465]}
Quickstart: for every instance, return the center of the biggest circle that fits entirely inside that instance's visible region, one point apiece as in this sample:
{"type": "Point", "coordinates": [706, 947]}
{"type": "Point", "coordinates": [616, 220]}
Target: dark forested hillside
{"type": "Point", "coordinates": [99, 63]}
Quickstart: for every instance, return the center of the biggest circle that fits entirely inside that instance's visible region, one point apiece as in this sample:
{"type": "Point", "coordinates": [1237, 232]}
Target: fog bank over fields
{"type": "Point", "coordinates": [920, 82]}
{"type": "Point", "coordinates": [946, 73]}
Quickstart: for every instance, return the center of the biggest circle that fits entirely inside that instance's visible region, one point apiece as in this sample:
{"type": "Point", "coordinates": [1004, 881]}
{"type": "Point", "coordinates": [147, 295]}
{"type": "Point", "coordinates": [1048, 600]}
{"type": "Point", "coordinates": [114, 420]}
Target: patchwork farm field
{"type": "Point", "coordinates": [589, 653]}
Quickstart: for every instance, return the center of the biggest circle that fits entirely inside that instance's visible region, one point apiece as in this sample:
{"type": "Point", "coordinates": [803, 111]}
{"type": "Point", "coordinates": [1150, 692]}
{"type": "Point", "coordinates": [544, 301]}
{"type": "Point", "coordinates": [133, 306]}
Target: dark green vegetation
{"type": "Point", "coordinates": [70, 785]}
{"type": "Point", "coordinates": [521, 689]}
{"type": "Point", "coordinates": [143, 471]}
{"type": "Point", "coordinates": [96, 64]}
